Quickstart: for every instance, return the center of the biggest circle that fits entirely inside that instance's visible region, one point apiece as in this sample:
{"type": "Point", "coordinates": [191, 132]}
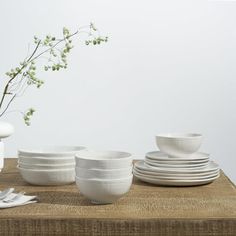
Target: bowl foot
{"type": "Point", "coordinates": [100, 203]}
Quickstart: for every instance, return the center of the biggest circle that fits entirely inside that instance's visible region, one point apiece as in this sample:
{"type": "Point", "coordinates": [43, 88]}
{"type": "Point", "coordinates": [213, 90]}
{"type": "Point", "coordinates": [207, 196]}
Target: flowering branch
{"type": "Point", "coordinates": [24, 75]}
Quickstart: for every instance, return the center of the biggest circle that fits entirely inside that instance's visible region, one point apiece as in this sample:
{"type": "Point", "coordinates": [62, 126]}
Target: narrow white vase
{"type": "Point", "coordinates": [6, 130]}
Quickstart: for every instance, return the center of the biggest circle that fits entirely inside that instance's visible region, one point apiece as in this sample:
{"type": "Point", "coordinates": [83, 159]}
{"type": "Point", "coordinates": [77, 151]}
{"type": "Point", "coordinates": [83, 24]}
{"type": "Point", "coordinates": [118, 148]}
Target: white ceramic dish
{"type": "Point", "coordinates": [137, 172]}
{"type": "Point", "coordinates": [176, 182]}
{"type": "Point", "coordinates": [189, 168]}
{"type": "Point", "coordinates": [179, 145]}
{"type": "Point", "coordinates": [48, 177]}
{"type": "Point", "coordinates": [45, 167]}
{"type": "Point", "coordinates": [169, 174]}
{"type": "Point", "coordinates": [177, 162]}
{"type": "Point", "coordinates": [46, 160]}
{"type": "Point", "coordinates": [51, 151]}
{"type": "Point", "coordinates": [104, 191]}
{"type": "Point", "coordinates": [103, 159]}
{"type": "Point", "coordinates": [211, 167]}
{"type": "Point", "coordinates": [197, 157]}
{"type": "Point", "coordinates": [103, 173]}
{"type": "Point", "coordinates": [163, 165]}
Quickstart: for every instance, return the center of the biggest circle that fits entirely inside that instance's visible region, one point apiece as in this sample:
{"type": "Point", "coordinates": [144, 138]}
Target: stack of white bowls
{"type": "Point", "coordinates": [103, 176]}
{"type": "Point", "coordinates": [48, 165]}
{"type": "Point", "coordinates": [178, 162]}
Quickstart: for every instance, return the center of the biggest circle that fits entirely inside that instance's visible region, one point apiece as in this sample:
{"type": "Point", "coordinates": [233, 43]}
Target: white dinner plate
{"type": "Point", "coordinates": [175, 165]}
{"type": "Point", "coordinates": [167, 161]}
{"type": "Point", "coordinates": [176, 182]}
{"type": "Point", "coordinates": [165, 177]}
{"type": "Point", "coordinates": [168, 174]}
{"type": "Point", "coordinates": [157, 155]}
{"type": "Point", "coordinates": [210, 167]}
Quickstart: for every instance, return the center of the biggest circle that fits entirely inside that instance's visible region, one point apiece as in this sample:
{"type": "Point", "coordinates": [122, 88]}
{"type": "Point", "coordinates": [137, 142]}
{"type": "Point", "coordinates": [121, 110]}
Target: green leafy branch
{"type": "Point", "coordinates": [25, 75]}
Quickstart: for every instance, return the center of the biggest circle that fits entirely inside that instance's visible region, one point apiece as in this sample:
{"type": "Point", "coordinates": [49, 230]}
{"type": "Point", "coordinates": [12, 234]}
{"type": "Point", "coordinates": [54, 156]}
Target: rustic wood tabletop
{"type": "Point", "coordinates": [146, 210]}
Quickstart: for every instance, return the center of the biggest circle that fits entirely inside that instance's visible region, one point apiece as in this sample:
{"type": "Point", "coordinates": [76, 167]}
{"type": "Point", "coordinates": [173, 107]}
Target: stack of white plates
{"type": "Point", "coordinates": [48, 165]}
{"type": "Point", "coordinates": [189, 169]}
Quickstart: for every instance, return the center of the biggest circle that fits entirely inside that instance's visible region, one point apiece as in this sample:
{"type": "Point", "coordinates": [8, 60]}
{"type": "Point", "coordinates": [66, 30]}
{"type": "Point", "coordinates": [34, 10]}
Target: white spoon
{"type": "Point", "coordinates": [6, 192]}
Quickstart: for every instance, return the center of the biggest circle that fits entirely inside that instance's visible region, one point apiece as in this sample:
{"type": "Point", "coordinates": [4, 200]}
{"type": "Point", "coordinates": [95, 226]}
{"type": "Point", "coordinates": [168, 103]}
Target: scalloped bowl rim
{"type": "Point", "coordinates": [48, 150]}
{"type": "Point", "coordinates": [99, 155]}
{"type": "Point", "coordinates": [115, 181]}
{"type": "Point", "coordinates": [45, 170]}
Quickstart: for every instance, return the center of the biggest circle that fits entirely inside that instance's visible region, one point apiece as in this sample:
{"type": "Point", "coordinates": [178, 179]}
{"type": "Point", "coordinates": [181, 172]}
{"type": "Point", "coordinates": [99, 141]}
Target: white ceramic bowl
{"type": "Point", "coordinates": [103, 173]}
{"type": "Point", "coordinates": [51, 151]}
{"type": "Point", "coordinates": [48, 177]}
{"type": "Point", "coordinates": [45, 167]}
{"type": "Point", "coordinates": [179, 145]}
{"type": "Point", "coordinates": [103, 159]}
{"type": "Point", "coordinates": [46, 160]}
{"type": "Point", "coordinates": [104, 191]}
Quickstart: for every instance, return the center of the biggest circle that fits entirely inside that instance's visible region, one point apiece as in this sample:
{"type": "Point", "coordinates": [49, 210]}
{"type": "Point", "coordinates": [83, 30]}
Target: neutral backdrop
{"type": "Point", "coordinates": [169, 66]}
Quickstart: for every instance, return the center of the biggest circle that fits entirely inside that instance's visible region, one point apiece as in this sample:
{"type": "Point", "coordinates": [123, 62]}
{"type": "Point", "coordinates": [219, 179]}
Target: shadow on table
{"type": "Point", "coordinates": [62, 198]}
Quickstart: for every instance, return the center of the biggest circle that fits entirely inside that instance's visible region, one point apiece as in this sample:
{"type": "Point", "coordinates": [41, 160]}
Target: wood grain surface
{"type": "Point", "coordinates": [146, 210]}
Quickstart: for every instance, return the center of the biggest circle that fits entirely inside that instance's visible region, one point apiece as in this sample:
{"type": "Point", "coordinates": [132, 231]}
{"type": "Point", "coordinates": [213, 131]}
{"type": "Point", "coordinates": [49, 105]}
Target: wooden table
{"type": "Point", "coordinates": [145, 210]}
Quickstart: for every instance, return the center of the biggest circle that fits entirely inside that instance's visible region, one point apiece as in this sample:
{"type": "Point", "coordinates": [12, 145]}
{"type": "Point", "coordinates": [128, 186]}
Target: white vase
{"type": "Point", "coordinates": [6, 130]}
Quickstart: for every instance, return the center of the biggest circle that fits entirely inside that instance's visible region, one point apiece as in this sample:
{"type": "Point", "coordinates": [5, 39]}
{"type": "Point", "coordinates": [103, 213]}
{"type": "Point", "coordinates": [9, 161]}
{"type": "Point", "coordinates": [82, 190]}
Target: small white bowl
{"type": "Point", "coordinates": [179, 145]}
{"type": "Point", "coordinates": [48, 177]}
{"type": "Point", "coordinates": [46, 161]}
{"type": "Point", "coordinates": [51, 151]}
{"type": "Point", "coordinates": [103, 173]}
{"type": "Point", "coordinates": [104, 191]}
{"type": "Point", "coordinates": [103, 159]}
{"type": "Point", "coordinates": [45, 167]}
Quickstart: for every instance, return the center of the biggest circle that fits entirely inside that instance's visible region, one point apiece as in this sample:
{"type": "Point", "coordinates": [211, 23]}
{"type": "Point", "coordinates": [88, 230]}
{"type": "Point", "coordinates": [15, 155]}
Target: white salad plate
{"type": "Point", "coordinates": [151, 163]}
{"type": "Point", "coordinates": [160, 156]}
{"type": "Point", "coordinates": [173, 177]}
{"type": "Point", "coordinates": [212, 166]}
{"type": "Point", "coordinates": [171, 182]}
{"type": "Point", "coordinates": [180, 162]}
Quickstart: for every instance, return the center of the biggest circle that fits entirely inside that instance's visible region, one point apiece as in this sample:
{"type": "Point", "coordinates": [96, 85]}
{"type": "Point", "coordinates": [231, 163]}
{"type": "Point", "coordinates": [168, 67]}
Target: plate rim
{"type": "Point", "coordinates": [178, 177]}
{"type": "Point", "coordinates": [185, 181]}
{"type": "Point", "coordinates": [179, 174]}
{"type": "Point", "coordinates": [165, 156]}
{"type": "Point", "coordinates": [177, 165]}
{"type": "Point", "coordinates": [178, 171]}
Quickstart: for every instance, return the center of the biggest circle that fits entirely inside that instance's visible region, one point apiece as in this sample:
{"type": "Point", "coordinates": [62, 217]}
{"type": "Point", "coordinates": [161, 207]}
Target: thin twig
{"type": "Point", "coordinates": [11, 100]}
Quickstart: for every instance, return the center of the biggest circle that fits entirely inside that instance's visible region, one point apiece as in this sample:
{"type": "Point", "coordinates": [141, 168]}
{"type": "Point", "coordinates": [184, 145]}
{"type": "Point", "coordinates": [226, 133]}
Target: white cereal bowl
{"type": "Point", "coordinates": [103, 173]}
{"type": "Point", "coordinates": [103, 159]}
{"type": "Point", "coordinates": [48, 177]}
{"type": "Point", "coordinates": [46, 160]}
{"type": "Point", "coordinates": [51, 151]}
{"type": "Point", "coordinates": [45, 167]}
{"type": "Point", "coordinates": [179, 145]}
{"type": "Point", "coordinates": [104, 191]}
